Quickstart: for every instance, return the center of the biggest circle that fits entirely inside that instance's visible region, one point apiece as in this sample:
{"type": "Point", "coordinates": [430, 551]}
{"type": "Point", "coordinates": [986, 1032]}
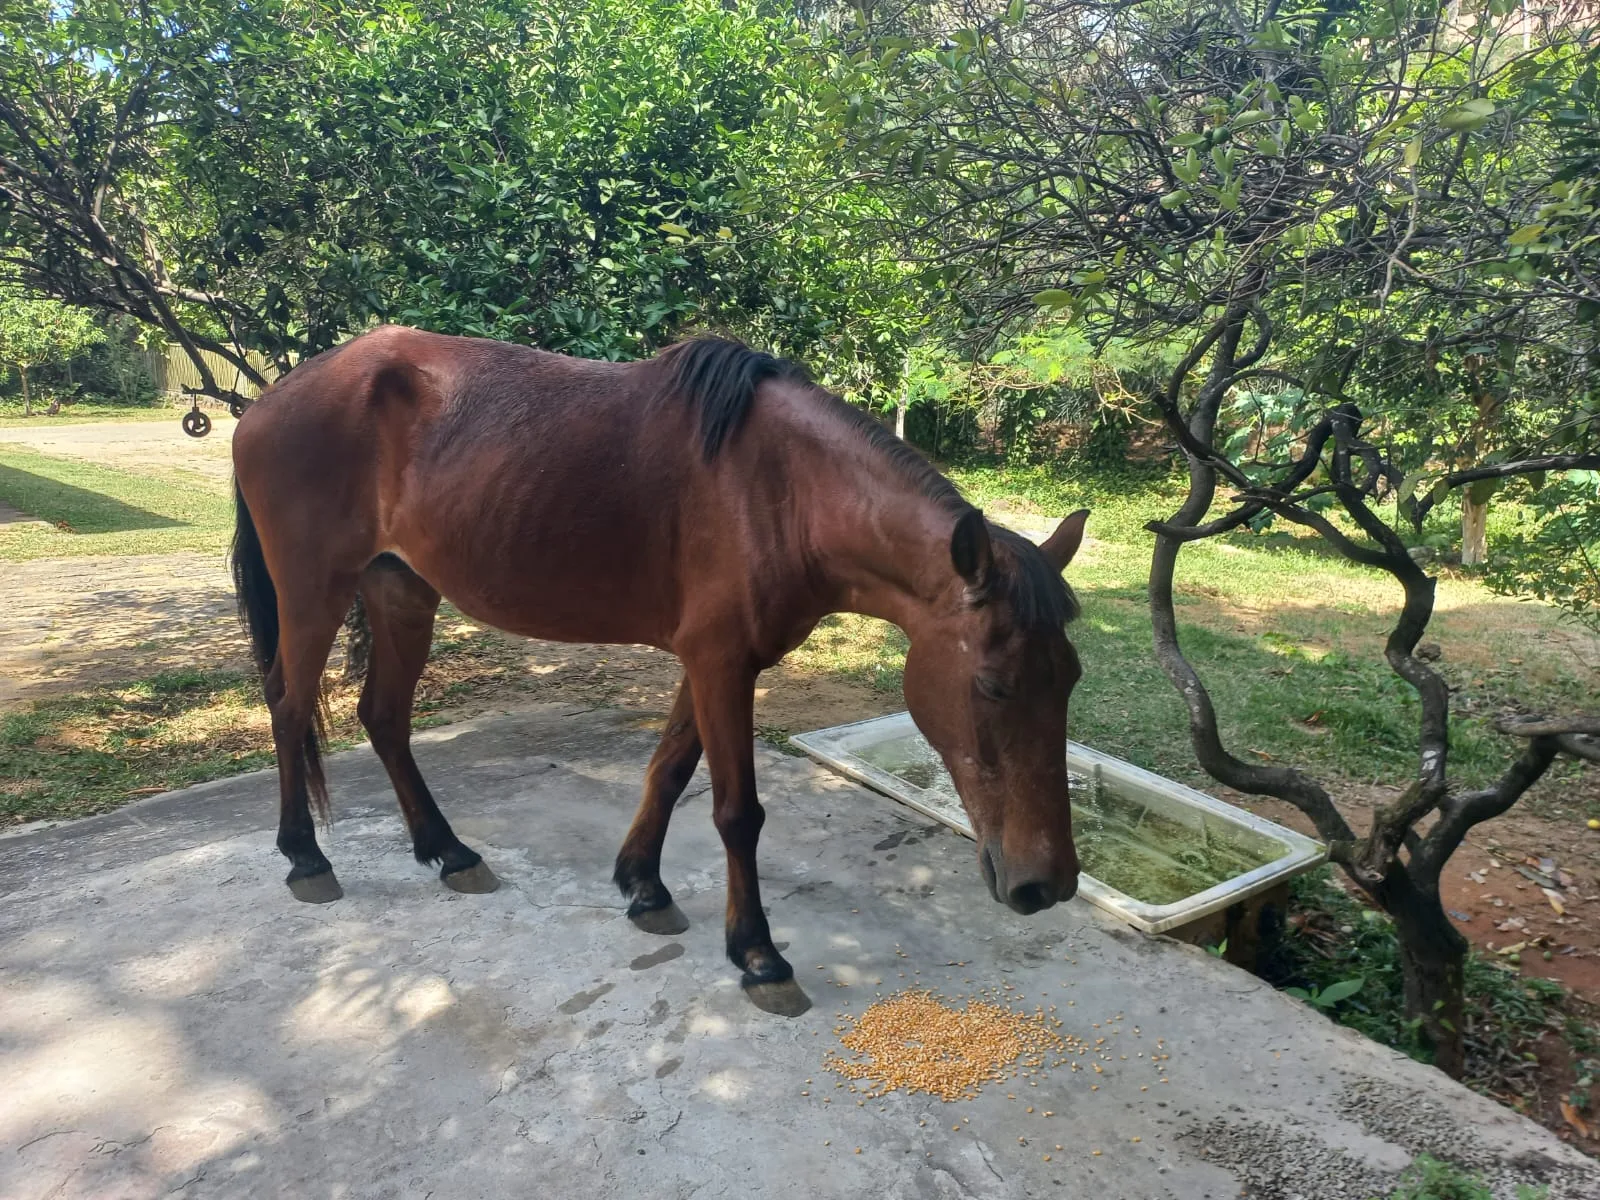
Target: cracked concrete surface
{"type": "Point", "coordinates": [172, 1023]}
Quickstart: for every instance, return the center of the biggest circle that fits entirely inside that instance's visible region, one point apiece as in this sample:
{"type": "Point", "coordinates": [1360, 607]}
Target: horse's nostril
{"type": "Point", "coordinates": [1031, 897]}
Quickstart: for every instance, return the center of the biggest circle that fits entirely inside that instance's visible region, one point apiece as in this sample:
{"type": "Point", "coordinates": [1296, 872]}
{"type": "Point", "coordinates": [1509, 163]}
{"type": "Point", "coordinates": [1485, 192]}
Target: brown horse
{"type": "Point", "coordinates": [710, 501]}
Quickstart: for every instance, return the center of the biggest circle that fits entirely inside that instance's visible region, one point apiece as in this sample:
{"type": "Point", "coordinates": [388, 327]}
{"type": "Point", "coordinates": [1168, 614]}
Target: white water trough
{"type": "Point", "coordinates": [1184, 855]}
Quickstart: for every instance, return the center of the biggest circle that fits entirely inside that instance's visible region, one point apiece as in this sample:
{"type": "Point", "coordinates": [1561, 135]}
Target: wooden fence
{"type": "Point", "coordinates": [172, 371]}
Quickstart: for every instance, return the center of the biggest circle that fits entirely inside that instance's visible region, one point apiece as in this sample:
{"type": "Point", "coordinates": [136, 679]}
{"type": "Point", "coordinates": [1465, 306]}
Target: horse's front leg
{"type": "Point", "coordinates": [638, 869]}
{"type": "Point", "coordinates": [724, 707]}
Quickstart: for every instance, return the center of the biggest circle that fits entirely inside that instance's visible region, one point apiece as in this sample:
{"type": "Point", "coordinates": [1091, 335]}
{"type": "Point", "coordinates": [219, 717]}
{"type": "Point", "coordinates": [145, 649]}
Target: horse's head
{"type": "Point", "coordinates": [987, 682]}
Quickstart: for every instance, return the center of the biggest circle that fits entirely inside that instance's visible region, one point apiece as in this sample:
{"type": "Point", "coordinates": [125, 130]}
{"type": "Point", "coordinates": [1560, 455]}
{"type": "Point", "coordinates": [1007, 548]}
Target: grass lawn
{"type": "Point", "coordinates": [93, 509]}
{"type": "Point", "coordinates": [11, 413]}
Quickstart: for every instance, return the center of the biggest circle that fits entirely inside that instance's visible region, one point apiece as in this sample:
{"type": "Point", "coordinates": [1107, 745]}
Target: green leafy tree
{"type": "Point", "coordinates": [271, 177]}
{"type": "Point", "coordinates": [1323, 208]}
{"type": "Point", "coordinates": [36, 332]}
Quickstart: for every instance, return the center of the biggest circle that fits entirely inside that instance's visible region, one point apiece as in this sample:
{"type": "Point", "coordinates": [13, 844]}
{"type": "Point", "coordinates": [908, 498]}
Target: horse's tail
{"type": "Point", "coordinates": [258, 613]}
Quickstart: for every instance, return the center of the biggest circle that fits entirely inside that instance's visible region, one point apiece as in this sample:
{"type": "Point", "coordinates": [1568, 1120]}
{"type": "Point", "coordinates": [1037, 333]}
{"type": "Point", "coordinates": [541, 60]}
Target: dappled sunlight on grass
{"type": "Point", "coordinates": [863, 649]}
{"type": "Point", "coordinates": [83, 754]}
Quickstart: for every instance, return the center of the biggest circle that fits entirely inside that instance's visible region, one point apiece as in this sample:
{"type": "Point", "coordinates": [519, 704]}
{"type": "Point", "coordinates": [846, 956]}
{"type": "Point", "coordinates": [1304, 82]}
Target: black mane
{"type": "Point", "coordinates": [719, 377]}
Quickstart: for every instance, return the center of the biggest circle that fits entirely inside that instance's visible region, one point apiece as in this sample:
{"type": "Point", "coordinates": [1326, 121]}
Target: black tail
{"type": "Point", "coordinates": [258, 613]}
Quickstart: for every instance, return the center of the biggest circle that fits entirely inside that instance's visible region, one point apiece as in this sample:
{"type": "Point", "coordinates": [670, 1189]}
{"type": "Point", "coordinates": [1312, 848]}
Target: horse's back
{"type": "Point", "coordinates": [537, 491]}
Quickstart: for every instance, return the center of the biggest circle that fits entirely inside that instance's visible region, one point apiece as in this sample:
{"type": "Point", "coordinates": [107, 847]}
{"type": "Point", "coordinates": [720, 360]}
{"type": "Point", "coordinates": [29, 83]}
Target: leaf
{"type": "Point", "coordinates": [1528, 233]}
{"type": "Point", "coordinates": [1053, 298]}
{"type": "Point", "coordinates": [1016, 10]}
{"type": "Point", "coordinates": [1408, 485]}
{"type": "Point", "coordinates": [674, 229]}
{"type": "Point", "coordinates": [1414, 151]}
{"type": "Point", "coordinates": [1571, 1117]}
{"type": "Point", "coordinates": [1174, 199]}
{"type": "Point", "coordinates": [1336, 992]}
{"type": "Point", "coordinates": [1468, 116]}
{"type": "Point", "coordinates": [1480, 492]}
{"type": "Point", "coordinates": [1440, 491]}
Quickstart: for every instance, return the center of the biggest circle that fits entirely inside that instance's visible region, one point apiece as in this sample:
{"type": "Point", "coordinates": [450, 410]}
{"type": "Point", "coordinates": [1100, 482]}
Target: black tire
{"type": "Point", "coordinates": [196, 424]}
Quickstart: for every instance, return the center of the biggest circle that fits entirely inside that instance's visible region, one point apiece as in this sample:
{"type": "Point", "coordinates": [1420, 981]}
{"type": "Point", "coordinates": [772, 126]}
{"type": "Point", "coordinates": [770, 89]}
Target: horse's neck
{"type": "Point", "coordinates": [883, 546]}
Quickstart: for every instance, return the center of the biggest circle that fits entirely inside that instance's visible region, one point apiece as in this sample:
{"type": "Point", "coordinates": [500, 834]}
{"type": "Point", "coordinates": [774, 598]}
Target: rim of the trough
{"type": "Point", "coordinates": [834, 747]}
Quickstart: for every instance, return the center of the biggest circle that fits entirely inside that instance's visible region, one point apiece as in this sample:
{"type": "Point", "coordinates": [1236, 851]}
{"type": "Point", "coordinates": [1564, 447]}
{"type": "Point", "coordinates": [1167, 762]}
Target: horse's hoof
{"type": "Point", "coordinates": [321, 888]}
{"type": "Point", "coordinates": [474, 880]}
{"type": "Point", "coordinates": [784, 999]}
{"type": "Point", "coordinates": [668, 921]}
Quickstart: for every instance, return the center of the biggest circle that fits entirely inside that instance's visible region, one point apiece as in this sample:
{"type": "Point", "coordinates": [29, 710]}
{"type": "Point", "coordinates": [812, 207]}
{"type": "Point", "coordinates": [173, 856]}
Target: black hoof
{"type": "Point", "coordinates": [321, 888]}
{"type": "Point", "coordinates": [763, 964]}
{"type": "Point", "coordinates": [668, 921]}
{"type": "Point", "coordinates": [474, 880]}
{"type": "Point", "coordinates": [785, 999]}
{"type": "Point", "coordinates": [650, 906]}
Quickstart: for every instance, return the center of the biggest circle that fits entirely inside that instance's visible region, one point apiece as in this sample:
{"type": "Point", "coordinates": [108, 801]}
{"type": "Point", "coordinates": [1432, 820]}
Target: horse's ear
{"type": "Point", "coordinates": [1061, 545]}
{"type": "Point", "coordinates": [971, 551]}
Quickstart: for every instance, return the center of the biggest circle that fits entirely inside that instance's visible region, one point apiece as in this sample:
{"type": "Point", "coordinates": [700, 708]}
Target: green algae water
{"type": "Point", "coordinates": [1123, 842]}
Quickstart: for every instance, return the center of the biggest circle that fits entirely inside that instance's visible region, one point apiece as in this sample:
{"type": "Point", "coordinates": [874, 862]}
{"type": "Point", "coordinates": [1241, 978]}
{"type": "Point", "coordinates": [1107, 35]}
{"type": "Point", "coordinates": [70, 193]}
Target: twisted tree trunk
{"type": "Point", "coordinates": [1433, 961]}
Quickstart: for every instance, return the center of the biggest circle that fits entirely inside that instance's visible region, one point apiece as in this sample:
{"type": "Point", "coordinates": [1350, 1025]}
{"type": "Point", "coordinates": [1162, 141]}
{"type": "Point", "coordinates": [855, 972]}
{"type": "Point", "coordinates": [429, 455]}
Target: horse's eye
{"type": "Point", "coordinates": [989, 687]}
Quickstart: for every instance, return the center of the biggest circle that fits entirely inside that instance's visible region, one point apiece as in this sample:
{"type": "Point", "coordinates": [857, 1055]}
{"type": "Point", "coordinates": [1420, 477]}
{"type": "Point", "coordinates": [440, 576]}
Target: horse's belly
{"type": "Point", "coordinates": [552, 597]}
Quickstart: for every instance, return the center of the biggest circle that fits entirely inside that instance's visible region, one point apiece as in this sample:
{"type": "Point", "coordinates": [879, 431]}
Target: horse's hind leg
{"type": "Point", "coordinates": [400, 610]}
{"type": "Point", "coordinates": [293, 691]}
{"type": "Point", "coordinates": [638, 870]}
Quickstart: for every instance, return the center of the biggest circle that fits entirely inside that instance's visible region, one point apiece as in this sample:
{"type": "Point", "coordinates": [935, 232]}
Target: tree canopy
{"type": "Point", "coordinates": [272, 177]}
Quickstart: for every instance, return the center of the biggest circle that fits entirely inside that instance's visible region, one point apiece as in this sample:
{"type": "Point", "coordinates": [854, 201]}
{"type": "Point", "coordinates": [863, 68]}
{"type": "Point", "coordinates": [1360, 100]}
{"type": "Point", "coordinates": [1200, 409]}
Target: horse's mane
{"type": "Point", "coordinates": [720, 376]}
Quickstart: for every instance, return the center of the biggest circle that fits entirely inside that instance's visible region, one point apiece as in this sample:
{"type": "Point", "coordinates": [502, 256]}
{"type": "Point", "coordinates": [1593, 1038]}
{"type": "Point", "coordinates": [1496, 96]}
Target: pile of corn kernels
{"type": "Point", "coordinates": [915, 1042]}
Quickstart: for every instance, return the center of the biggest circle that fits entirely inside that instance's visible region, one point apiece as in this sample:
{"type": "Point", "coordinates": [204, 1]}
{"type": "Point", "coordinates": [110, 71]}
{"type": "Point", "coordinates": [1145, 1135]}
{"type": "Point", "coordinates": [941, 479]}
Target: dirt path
{"type": "Point", "coordinates": [134, 445]}
{"type": "Point", "coordinates": [69, 624]}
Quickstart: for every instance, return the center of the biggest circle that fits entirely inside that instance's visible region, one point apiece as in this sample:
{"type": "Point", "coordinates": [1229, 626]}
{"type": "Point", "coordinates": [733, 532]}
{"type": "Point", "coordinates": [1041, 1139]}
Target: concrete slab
{"type": "Point", "coordinates": [171, 1022]}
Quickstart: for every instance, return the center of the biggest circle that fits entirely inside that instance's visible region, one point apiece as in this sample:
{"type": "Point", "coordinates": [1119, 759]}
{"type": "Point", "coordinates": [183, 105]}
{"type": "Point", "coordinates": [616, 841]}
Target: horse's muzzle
{"type": "Point", "coordinates": [1023, 895]}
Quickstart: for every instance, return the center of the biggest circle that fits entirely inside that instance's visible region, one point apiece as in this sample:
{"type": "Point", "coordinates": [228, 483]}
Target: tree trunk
{"type": "Point", "coordinates": [900, 417]}
{"type": "Point", "coordinates": [1433, 957]}
{"type": "Point", "coordinates": [1474, 531]}
{"type": "Point", "coordinates": [27, 401]}
{"type": "Point", "coordinates": [357, 643]}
